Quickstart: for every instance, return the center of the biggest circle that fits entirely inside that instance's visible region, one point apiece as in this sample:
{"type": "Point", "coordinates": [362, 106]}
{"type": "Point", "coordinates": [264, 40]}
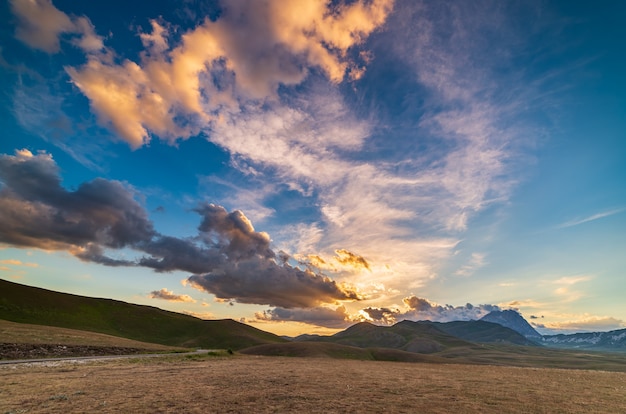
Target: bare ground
{"type": "Point", "coordinates": [308, 385]}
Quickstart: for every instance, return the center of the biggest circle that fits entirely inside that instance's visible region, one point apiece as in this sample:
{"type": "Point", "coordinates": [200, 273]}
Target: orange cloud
{"type": "Point", "coordinates": [18, 263]}
{"type": "Point", "coordinates": [170, 296]}
{"type": "Point", "coordinates": [263, 44]}
{"type": "Point", "coordinates": [346, 257]}
{"type": "Point", "coordinates": [41, 24]}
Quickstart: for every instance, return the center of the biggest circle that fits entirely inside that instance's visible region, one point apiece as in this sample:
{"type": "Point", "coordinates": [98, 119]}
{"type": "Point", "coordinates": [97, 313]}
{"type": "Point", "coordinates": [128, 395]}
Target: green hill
{"type": "Point", "coordinates": [26, 304]}
{"type": "Point", "coordinates": [416, 337]}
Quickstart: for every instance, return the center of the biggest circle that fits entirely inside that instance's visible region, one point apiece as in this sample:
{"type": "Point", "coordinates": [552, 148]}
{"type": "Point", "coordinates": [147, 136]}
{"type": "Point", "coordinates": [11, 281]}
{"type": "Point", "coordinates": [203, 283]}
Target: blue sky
{"type": "Point", "coordinates": [301, 166]}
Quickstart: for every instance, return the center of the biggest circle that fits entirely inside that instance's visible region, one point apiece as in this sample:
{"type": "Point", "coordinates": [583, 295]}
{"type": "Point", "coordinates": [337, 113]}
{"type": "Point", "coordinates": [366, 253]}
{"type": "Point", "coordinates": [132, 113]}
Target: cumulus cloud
{"type": "Point", "coordinates": [268, 283]}
{"type": "Point", "coordinates": [39, 212]}
{"type": "Point", "coordinates": [41, 25]}
{"type": "Point", "coordinates": [227, 257]}
{"type": "Point", "coordinates": [383, 316]}
{"type": "Point", "coordinates": [251, 49]}
{"type": "Point", "coordinates": [170, 296]}
{"type": "Point", "coordinates": [320, 316]}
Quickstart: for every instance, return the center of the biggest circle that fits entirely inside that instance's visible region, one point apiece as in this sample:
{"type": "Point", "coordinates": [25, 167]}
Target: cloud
{"type": "Point", "coordinates": [170, 296]}
{"type": "Point", "coordinates": [587, 323]}
{"type": "Point", "coordinates": [593, 217]}
{"type": "Point", "coordinates": [350, 259]}
{"type": "Point", "coordinates": [14, 262]}
{"type": "Point", "coordinates": [416, 308]}
{"type": "Point", "coordinates": [40, 213]}
{"type": "Point", "coordinates": [572, 280]}
{"type": "Point", "coordinates": [227, 257]}
{"type": "Point", "coordinates": [383, 316]}
{"type": "Point", "coordinates": [267, 283]}
{"type": "Point", "coordinates": [251, 49]}
{"type": "Point", "coordinates": [477, 260]}
{"type": "Point", "coordinates": [41, 25]}
{"type": "Point", "coordinates": [320, 316]}
{"type": "Point", "coordinates": [345, 258]}
{"type": "Point", "coordinates": [565, 284]}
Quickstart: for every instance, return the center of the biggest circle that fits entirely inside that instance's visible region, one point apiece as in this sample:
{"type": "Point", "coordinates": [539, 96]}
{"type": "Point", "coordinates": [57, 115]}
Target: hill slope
{"type": "Point", "coordinates": [26, 304]}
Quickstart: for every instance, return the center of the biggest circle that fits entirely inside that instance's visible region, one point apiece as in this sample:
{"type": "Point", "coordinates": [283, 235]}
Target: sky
{"type": "Point", "coordinates": [301, 166]}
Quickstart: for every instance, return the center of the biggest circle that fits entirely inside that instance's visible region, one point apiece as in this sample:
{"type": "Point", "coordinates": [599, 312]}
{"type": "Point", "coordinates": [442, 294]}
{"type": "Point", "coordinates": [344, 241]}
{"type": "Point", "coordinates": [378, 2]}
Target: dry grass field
{"type": "Point", "coordinates": [254, 384]}
{"type": "Point", "coordinates": [40, 334]}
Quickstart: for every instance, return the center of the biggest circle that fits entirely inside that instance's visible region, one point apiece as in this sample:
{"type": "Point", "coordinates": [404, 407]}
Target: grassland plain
{"type": "Point", "coordinates": [313, 385]}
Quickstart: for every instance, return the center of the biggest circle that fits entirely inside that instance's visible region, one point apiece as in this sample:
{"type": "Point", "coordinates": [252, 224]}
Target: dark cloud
{"type": "Point", "coordinates": [417, 304]}
{"type": "Point", "coordinates": [321, 316]}
{"type": "Point", "coordinates": [167, 254]}
{"type": "Point", "coordinates": [236, 236]}
{"type": "Point", "coordinates": [263, 281]}
{"type": "Point", "coordinates": [385, 316]}
{"type": "Point", "coordinates": [38, 212]}
{"type": "Point", "coordinates": [227, 257]}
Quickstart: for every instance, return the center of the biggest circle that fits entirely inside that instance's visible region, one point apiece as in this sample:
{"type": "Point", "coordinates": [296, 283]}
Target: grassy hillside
{"type": "Point", "coordinates": [22, 333]}
{"type": "Point", "coordinates": [26, 304]}
{"type": "Point", "coordinates": [423, 338]}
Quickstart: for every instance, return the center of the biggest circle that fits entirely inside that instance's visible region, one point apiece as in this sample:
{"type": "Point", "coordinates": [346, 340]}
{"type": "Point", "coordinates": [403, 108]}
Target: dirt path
{"type": "Point", "coordinates": [100, 357]}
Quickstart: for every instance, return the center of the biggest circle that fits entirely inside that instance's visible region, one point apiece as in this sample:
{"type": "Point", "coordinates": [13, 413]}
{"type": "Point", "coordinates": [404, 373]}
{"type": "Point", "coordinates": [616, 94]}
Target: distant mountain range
{"type": "Point", "coordinates": [422, 337]}
{"type": "Point", "coordinates": [592, 341]}
{"type": "Point", "coordinates": [597, 341]}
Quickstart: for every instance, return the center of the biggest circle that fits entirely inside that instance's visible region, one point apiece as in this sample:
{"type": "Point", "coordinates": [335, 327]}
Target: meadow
{"type": "Point", "coordinates": [239, 384]}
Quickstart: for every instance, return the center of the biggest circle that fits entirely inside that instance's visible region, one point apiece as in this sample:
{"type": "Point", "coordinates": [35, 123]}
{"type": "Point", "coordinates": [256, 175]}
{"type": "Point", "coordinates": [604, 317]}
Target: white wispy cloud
{"type": "Point", "coordinates": [593, 217]}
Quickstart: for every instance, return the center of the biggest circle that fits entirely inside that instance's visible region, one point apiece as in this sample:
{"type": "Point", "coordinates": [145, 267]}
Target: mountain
{"type": "Point", "coordinates": [593, 341]}
{"type": "Point", "coordinates": [417, 337]}
{"type": "Point", "coordinates": [483, 332]}
{"type": "Point", "coordinates": [26, 304]}
{"type": "Point", "coordinates": [512, 319]}
{"type": "Point", "coordinates": [422, 337]}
